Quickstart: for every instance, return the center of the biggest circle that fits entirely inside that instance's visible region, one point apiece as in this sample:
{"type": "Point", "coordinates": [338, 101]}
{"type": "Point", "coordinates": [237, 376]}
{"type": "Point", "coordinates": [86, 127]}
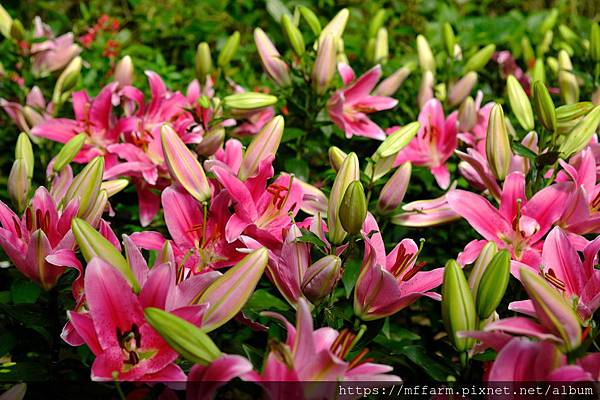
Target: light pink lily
{"type": "Point", "coordinates": [261, 212]}
{"type": "Point", "coordinates": [34, 112]}
{"type": "Point", "coordinates": [40, 243]}
{"type": "Point", "coordinates": [524, 360]}
{"type": "Point", "coordinates": [315, 355]}
{"type": "Point", "coordinates": [349, 106]}
{"type": "Point", "coordinates": [388, 283]}
{"type": "Point", "coordinates": [54, 53]}
{"type": "Point", "coordinates": [578, 281]}
{"type": "Point", "coordinates": [519, 224]}
{"type": "Point", "coordinates": [423, 213]}
{"type": "Point", "coordinates": [115, 330]}
{"type": "Point", "coordinates": [475, 136]}
{"type": "Point", "coordinates": [434, 144]}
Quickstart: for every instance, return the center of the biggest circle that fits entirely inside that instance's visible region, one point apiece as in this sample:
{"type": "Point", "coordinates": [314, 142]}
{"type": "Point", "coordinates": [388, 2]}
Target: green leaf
{"type": "Point", "coordinates": [523, 151]}
{"type": "Point", "coordinates": [291, 134]}
{"type": "Point", "coordinates": [263, 300]}
{"type": "Point", "coordinates": [310, 238]}
{"type": "Point", "coordinates": [432, 365]}
{"type": "Point", "coordinates": [298, 167]}
{"type": "Point", "coordinates": [24, 292]}
{"type": "Point", "coordinates": [351, 271]}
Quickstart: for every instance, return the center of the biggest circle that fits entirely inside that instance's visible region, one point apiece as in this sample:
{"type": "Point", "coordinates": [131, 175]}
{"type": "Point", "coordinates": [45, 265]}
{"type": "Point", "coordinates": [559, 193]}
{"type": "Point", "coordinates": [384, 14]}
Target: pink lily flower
{"type": "Point", "coordinates": [434, 144]}
{"type": "Point", "coordinates": [40, 243]}
{"type": "Point", "coordinates": [315, 355]}
{"type": "Point", "coordinates": [349, 106]}
{"type": "Point", "coordinates": [261, 212]}
{"type": "Point", "coordinates": [125, 345]}
{"type": "Point", "coordinates": [54, 53]}
{"type": "Point", "coordinates": [423, 213]}
{"type": "Point", "coordinates": [519, 224]}
{"type": "Point", "coordinates": [578, 281]}
{"type": "Point", "coordinates": [524, 360]}
{"type": "Point", "coordinates": [388, 283]}
{"type": "Point", "coordinates": [34, 112]}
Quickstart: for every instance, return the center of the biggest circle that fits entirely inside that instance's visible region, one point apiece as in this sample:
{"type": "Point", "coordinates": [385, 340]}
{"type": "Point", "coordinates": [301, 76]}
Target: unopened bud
{"type": "Point", "coordinates": [544, 107]}
{"type": "Point", "coordinates": [581, 135]}
{"type": "Point", "coordinates": [353, 209]}
{"type": "Point", "coordinates": [527, 50]}
{"type": "Point", "coordinates": [263, 145]}
{"type": "Point", "coordinates": [480, 59]}
{"type": "Point", "coordinates": [467, 115]}
{"type": "Point", "coordinates": [381, 50]}
{"type": "Point", "coordinates": [497, 146]}
{"type": "Point", "coordinates": [229, 49]}
{"type": "Point", "coordinates": [462, 88]}
{"type": "Point", "coordinates": [86, 185]}
{"type": "Point", "coordinates": [493, 284]}
{"type": "Point", "coordinates": [124, 71]}
{"type": "Point", "coordinates": [249, 101]}
{"type": "Point", "coordinates": [271, 60]}
{"type": "Point", "coordinates": [376, 22]}
{"type": "Point", "coordinates": [19, 184]}
{"type": "Point", "coordinates": [549, 21]}
{"type": "Point", "coordinates": [392, 83]}
{"type": "Point", "coordinates": [449, 39]}
{"type": "Point", "coordinates": [539, 71]}
{"type": "Point", "coordinates": [67, 80]}
{"type": "Point", "coordinates": [113, 187]}
{"type": "Point", "coordinates": [17, 32]}
{"type": "Point", "coordinates": [393, 191]}
{"type": "Point", "coordinates": [292, 35]}
{"type": "Point", "coordinates": [519, 103]}
{"type": "Point", "coordinates": [595, 42]}
{"type": "Point", "coordinates": [68, 152]}
{"type": "Point", "coordinates": [211, 142]}
{"type": "Point", "coordinates": [24, 151]}
{"type": "Point", "coordinates": [348, 173]}
{"type": "Point", "coordinates": [569, 88]}
{"type": "Point", "coordinates": [311, 19]}
{"type": "Point", "coordinates": [426, 88]}
{"type": "Point", "coordinates": [397, 140]}
{"type": "Point", "coordinates": [325, 63]}
{"type": "Point", "coordinates": [336, 26]}
{"type": "Point", "coordinates": [336, 157]}
{"type": "Point", "coordinates": [5, 22]}
{"type": "Point", "coordinates": [485, 256]}
{"type": "Point", "coordinates": [426, 59]}
{"type": "Point", "coordinates": [203, 61]}
{"type": "Point", "coordinates": [458, 307]}
{"type": "Point", "coordinates": [321, 278]}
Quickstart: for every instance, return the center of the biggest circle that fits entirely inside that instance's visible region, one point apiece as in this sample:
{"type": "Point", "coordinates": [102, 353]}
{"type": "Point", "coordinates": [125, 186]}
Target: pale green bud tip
{"type": "Point", "coordinates": [519, 103]}
{"type": "Point", "coordinates": [426, 59]}
{"type": "Point", "coordinates": [249, 100]}
{"type": "Point", "coordinates": [19, 184]}
{"type": "Point", "coordinates": [497, 145]}
{"type": "Point", "coordinates": [68, 152]}
{"type": "Point", "coordinates": [229, 49]}
{"type": "Point", "coordinates": [493, 284]}
{"type": "Point", "coordinates": [203, 61]}
{"type": "Point", "coordinates": [480, 59]}
{"type": "Point", "coordinates": [458, 308]}
{"type": "Point", "coordinates": [544, 106]}
{"type": "Point", "coordinates": [24, 151]}
{"type": "Point", "coordinates": [336, 157]}
{"type": "Point", "coordinates": [293, 35]}
{"type": "Point", "coordinates": [353, 209]}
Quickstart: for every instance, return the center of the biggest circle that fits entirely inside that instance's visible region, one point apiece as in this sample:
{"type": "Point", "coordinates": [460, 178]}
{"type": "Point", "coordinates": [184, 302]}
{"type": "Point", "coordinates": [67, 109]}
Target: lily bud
{"type": "Point", "coordinates": [324, 68]}
{"type": "Point", "coordinates": [24, 151]}
{"type": "Point", "coordinates": [426, 88]}
{"type": "Point", "coordinates": [17, 31]}
{"type": "Point", "coordinates": [493, 284]}
{"type": "Point", "coordinates": [185, 338]}
{"type": "Point", "coordinates": [376, 22]}
{"type": "Point", "coordinates": [124, 71]}
{"type": "Point", "coordinates": [569, 88]}
{"type": "Point", "coordinates": [480, 59]}
{"type": "Point", "coordinates": [19, 184]}
{"type": "Point", "coordinates": [392, 83]}
{"type": "Point", "coordinates": [497, 146]}
{"type": "Point", "coordinates": [113, 187]}
{"type": "Point", "coordinates": [426, 59]}
{"type": "Point", "coordinates": [543, 106]}
{"type": "Point", "coordinates": [6, 22]}
{"type": "Point", "coordinates": [544, 46]}
{"type": "Point", "coordinates": [467, 115]}
{"type": "Point", "coordinates": [573, 112]}
{"type": "Point", "coordinates": [553, 65]}
{"type": "Point", "coordinates": [336, 157]}
{"type": "Point", "coordinates": [519, 103]}
{"type": "Point", "coordinates": [183, 165]}
{"type": "Point", "coordinates": [462, 88]}
{"type": "Point", "coordinates": [581, 135]}
{"type": "Point", "coordinates": [381, 50]}
{"type": "Point", "coordinates": [353, 209]}
{"type": "Point", "coordinates": [552, 310]}
{"type": "Point", "coordinates": [393, 191]}
{"type": "Point", "coordinates": [336, 26]}
{"type": "Point", "coordinates": [458, 308]}
{"type": "Point", "coordinates": [263, 145]}
{"type": "Point", "coordinates": [86, 185]}
{"type": "Point", "coordinates": [321, 278]}
{"type": "Point", "coordinates": [539, 72]}
{"type": "Point", "coordinates": [68, 152]}
{"type": "Point", "coordinates": [94, 212]}
{"type": "Point", "coordinates": [67, 80]}
{"type": "Point", "coordinates": [93, 244]}
{"type": "Point", "coordinates": [595, 42]}
{"type": "Point", "coordinates": [485, 256]}
{"type": "Point", "coordinates": [449, 39]}
{"type": "Point", "coordinates": [397, 140]}
{"type": "Point", "coordinates": [211, 142]}
{"type": "Point", "coordinates": [293, 35]}
{"type": "Point", "coordinates": [549, 21]}
{"type": "Point", "coordinates": [349, 172]}
{"type": "Point", "coordinates": [249, 101]}
{"type": "Point", "coordinates": [311, 19]}
{"type": "Point", "coordinates": [382, 166]}
{"type": "Point", "coordinates": [271, 60]}
{"type": "Point", "coordinates": [202, 61]}
{"type": "Point", "coordinates": [227, 295]}
{"type": "Point", "coordinates": [527, 50]}
{"type": "Point", "coordinates": [229, 49]}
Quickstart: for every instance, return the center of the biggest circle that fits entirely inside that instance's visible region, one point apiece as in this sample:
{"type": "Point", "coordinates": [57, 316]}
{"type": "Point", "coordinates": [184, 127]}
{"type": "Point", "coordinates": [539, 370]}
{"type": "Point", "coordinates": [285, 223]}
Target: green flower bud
{"type": "Point", "coordinates": [86, 185]}
{"type": "Point", "coordinates": [493, 284]}
{"type": "Point", "coordinates": [67, 80]}
{"type": "Point", "coordinates": [485, 256]}
{"type": "Point", "coordinates": [497, 146]}
{"type": "Point", "coordinates": [544, 46]}
{"type": "Point", "coordinates": [321, 277]}
{"type": "Point", "coordinates": [24, 151]}
{"type": "Point", "coordinates": [376, 22]}
{"type": "Point", "coordinates": [519, 103]}
{"type": "Point", "coordinates": [581, 135]}
{"type": "Point", "coordinates": [17, 32]}
{"type": "Point", "coordinates": [543, 106]}
{"type": "Point", "coordinates": [68, 152]}
{"type": "Point", "coordinates": [549, 21]}
{"type": "Point", "coordinates": [293, 35]}
{"type": "Point", "coordinates": [458, 308]}
{"type": "Point", "coordinates": [353, 209]}
{"type": "Point", "coordinates": [426, 59]}
{"type": "Point", "coordinates": [467, 115]}
{"type": "Point", "coordinates": [311, 19]}
{"type": "Point", "coordinates": [229, 49]}
{"type": "Point", "coordinates": [568, 34]}
{"type": "Point", "coordinates": [113, 187]}
{"type": "Point", "coordinates": [449, 38]}
{"type": "Point", "coordinates": [569, 88]}
{"type": "Point", "coordinates": [462, 88]}
{"type": "Point", "coordinates": [527, 50]}
{"type": "Point", "coordinates": [202, 62]}
{"type": "Point", "coordinates": [249, 101]}
{"type": "Point", "coordinates": [381, 49]}
{"type": "Point", "coordinates": [575, 111]}
{"type": "Point", "coordinates": [348, 172]}
{"type": "Point", "coordinates": [397, 140]}
{"type": "Point", "coordinates": [480, 59]}
{"type": "Point", "coordinates": [19, 184]}
{"type": "Point", "coordinates": [185, 338]}
{"type": "Point", "coordinates": [336, 157]}
{"type": "Point", "coordinates": [539, 72]}
{"type": "Point", "coordinates": [6, 22]}
{"type": "Point", "coordinates": [553, 65]}
{"type": "Point", "coordinates": [595, 42]}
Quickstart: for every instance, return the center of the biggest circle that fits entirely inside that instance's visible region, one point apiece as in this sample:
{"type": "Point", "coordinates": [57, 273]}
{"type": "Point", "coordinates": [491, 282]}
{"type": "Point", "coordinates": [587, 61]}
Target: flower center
{"type": "Point", "coordinates": [550, 276]}
{"type": "Point", "coordinates": [130, 342]}
{"type": "Point", "coordinates": [343, 344]}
